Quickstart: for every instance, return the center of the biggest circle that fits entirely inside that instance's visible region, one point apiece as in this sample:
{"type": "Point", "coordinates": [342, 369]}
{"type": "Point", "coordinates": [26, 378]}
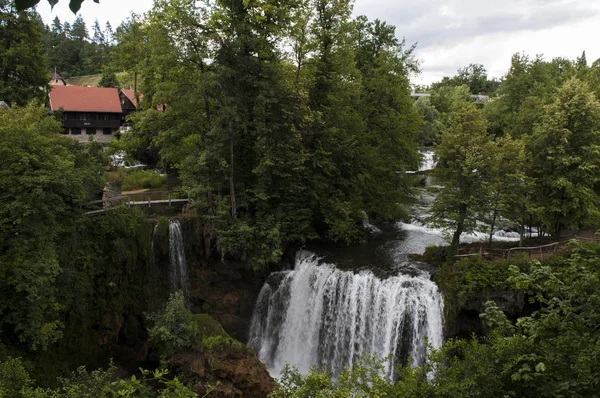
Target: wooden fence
{"type": "Point", "coordinates": [165, 198]}
{"type": "Point", "coordinates": [534, 250]}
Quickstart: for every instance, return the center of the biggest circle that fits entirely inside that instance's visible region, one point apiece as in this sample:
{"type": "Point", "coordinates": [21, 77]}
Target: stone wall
{"type": "Point", "coordinates": [88, 135]}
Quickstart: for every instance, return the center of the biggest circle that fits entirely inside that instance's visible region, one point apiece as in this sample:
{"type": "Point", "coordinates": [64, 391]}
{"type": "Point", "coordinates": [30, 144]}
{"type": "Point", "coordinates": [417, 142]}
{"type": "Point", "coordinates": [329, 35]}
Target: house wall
{"type": "Point", "coordinates": [88, 135]}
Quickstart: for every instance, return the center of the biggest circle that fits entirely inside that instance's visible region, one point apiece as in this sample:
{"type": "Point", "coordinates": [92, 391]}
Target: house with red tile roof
{"type": "Point", "coordinates": [129, 102]}
{"type": "Point", "coordinates": [89, 113]}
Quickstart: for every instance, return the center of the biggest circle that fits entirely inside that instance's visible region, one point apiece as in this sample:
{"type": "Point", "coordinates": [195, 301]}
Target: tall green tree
{"type": "Point", "coordinates": [23, 71]}
{"type": "Point", "coordinates": [473, 76]}
{"type": "Point", "coordinates": [463, 168]}
{"type": "Point", "coordinates": [565, 153]}
{"type": "Point", "coordinates": [431, 126]}
{"type": "Point", "coordinates": [43, 179]}
{"type": "Point", "coordinates": [507, 184]}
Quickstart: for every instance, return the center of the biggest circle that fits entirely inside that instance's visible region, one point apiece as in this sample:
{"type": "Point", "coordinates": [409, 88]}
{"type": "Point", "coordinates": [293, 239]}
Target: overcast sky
{"type": "Point", "coordinates": [450, 33]}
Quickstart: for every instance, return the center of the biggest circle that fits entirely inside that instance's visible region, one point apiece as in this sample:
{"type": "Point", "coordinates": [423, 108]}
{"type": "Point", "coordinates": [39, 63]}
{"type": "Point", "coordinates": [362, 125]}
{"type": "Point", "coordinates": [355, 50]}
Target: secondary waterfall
{"type": "Point", "coordinates": [320, 315]}
{"type": "Point", "coordinates": [178, 275]}
{"type": "Point", "coordinates": [428, 163]}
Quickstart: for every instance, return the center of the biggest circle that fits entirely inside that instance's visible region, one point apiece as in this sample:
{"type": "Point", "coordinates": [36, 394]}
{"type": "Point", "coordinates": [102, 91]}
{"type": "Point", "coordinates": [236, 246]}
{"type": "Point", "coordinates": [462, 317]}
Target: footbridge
{"type": "Point", "coordinates": [142, 199]}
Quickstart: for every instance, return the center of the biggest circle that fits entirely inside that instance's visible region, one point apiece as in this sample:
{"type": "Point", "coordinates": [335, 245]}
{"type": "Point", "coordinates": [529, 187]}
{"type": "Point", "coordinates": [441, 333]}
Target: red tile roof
{"type": "Point", "coordinates": [85, 99]}
{"type": "Point", "coordinates": [131, 95]}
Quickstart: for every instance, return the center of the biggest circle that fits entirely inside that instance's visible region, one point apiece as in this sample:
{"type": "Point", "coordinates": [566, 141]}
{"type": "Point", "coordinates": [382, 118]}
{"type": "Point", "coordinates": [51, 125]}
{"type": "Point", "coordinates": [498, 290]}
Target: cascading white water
{"type": "Point", "coordinates": [427, 163]}
{"type": "Point", "coordinates": [178, 275]}
{"type": "Point", "coordinates": [320, 315]}
{"type": "Point", "coordinates": [421, 234]}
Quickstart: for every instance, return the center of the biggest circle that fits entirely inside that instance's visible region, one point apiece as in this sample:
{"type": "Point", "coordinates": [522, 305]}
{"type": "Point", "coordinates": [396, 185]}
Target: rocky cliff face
{"type": "Point", "coordinates": [219, 290]}
{"type": "Point", "coordinates": [231, 371]}
{"type": "Point", "coordinates": [220, 364]}
{"type": "Point", "coordinates": [466, 321]}
{"type": "Point", "coordinates": [225, 289]}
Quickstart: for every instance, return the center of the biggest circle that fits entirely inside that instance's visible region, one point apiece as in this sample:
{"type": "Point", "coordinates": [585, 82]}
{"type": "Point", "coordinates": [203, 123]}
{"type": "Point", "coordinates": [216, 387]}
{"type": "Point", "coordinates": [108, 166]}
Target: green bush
{"type": "Point", "coordinates": [13, 377]}
{"type": "Point", "coordinates": [175, 327]}
{"type": "Point", "coordinates": [141, 179]}
{"type": "Point", "coordinates": [471, 277]}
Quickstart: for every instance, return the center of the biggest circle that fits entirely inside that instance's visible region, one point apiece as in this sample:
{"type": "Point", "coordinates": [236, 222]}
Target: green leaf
{"type": "Point", "coordinates": [52, 3]}
{"type": "Point", "coordinates": [25, 4]}
{"type": "Point", "coordinates": [75, 5]}
{"type": "Point", "coordinates": [540, 367]}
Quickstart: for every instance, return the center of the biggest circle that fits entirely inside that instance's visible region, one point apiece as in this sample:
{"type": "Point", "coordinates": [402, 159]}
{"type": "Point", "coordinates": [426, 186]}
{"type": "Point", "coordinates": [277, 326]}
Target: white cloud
{"type": "Point", "coordinates": [455, 33]}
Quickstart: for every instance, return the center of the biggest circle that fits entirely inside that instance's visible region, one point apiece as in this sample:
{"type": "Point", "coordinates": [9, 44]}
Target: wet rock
{"type": "Point", "coordinates": [222, 364]}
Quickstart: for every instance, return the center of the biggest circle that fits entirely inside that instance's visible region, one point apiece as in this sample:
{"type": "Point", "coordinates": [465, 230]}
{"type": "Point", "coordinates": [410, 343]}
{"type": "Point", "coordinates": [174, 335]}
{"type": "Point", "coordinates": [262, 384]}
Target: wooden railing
{"type": "Point", "coordinates": [534, 250]}
{"type": "Point", "coordinates": [166, 198]}
{"type": "Point", "coordinates": [540, 248]}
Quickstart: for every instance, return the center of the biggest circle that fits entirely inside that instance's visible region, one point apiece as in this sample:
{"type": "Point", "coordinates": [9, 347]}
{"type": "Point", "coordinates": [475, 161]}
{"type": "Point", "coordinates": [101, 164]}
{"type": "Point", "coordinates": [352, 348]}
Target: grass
{"type": "Point", "coordinates": [92, 80]}
{"type": "Point", "coordinates": [84, 81]}
{"type": "Point", "coordinates": [142, 179]}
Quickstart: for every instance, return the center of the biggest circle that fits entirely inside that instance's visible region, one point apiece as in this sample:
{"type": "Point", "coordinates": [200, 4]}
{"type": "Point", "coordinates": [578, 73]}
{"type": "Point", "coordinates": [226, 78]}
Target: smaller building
{"type": "Point", "coordinates": [89, 113]}
{"type": "Point", "coordinates": [129, 103]}
{"type": "Point", "coordinates": [57, 80]}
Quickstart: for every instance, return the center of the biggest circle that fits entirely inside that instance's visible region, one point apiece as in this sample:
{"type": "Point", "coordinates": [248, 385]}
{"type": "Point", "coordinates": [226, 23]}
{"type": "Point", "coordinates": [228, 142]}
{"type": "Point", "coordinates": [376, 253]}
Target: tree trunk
{"type": "Point", "coordinates": [209, 198]}
{"type": "Point", "coordinates": [493, 223]}
{"type": "Point", "coordinates": [462, 212]}
{"type": "Point", "coordinates": [232, 170]}
{"type": "Point", "coordinates": [136, 95]}
{"type": "Point", "coordinates": [557, 230]}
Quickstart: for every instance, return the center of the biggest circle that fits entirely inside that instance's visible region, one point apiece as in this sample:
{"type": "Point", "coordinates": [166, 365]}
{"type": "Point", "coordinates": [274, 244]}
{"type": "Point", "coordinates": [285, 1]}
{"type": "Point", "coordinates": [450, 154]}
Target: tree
{"type": "Point", "coordinates": [109, 79]}
{"type": "Point", "coordinates": [174, 328]}
{"type": "Point", "coordinates": [98, 37]}
{"type": "Point", "coordinates": [473, 76]}
{"type": "Point", "coordinates": [128, 54]}
{"type": "Point", "coordinates": [23, 70]}
{"type": "Point", "coordinates": [565, 153]}
{"type": "Point", "coordinates": [79, 30]}
{"type": "Point", "coordinates": [109, 34]}
{"type": "Point", "coordinates": [463, 167]}
{"type": "Point", "coordinates": [431, 126]}
{"type": "Point", "coordinates": [506, 184]}
{"type": "Point", "coordinates": [43, 179]}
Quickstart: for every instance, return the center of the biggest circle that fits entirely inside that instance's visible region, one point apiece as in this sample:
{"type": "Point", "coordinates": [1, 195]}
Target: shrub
{"type": "Point", "coordinates": [175, 327]}
{"type": "Point", "coordinates": [140, 179]}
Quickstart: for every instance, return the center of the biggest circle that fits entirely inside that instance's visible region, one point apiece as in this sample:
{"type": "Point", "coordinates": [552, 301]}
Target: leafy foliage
{"type": "Point", "coordinates": [43, 179]}
{"type": "Point", "coordinates": [139, 179]}
{"type": "Point", "coordinates": [16, 383]}
{"type": "Point", "coordinates": [565, 147]}
{"type": "Point", "coordinates": [276, 150]}
{"type": "Point", "coordinates": [552, 352]}
{"type": "Point", "coordinates": [74, 5]}
{"type": "Point", "coordinates": [73, 51]}
{"type": "Point", "coordinates": [23, 69]}
{"type": "Point", "coordinates": [463, 166]}
{"type": "Point", "coordinates": [474, 77]}
{"type": "Point", "coordinates": [175, 328]}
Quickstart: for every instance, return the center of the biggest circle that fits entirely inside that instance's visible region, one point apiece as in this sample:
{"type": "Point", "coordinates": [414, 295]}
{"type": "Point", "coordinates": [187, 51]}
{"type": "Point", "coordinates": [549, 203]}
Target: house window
{"type": "Point", "coordinates": [107, 130]}
{"type": "Point", "coordinates": [75, 130]}
{"type": "Point", "coordinates": [90, 131]}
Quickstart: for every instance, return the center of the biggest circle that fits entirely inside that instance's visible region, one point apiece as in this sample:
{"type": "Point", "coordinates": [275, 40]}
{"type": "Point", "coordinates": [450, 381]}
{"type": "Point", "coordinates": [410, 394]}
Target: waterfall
{"type": "Point", "coordinates": [320, 315]}
{"type": "Point", "coordinates": [178, 275]}
{"type": "Point", "coordinates": [427, 163]}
